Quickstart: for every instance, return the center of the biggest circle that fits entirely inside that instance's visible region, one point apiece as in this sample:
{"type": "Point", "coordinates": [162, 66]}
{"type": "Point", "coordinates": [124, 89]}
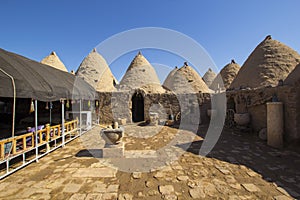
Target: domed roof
{"type": "Point", "coordinates": [185, 80]}
{"type": "Point", "coordinates": [140, 73]}
{"type": "Point", "coordinates": [293, 77]}
{"type": "Point", "coordinates": [169, 78]}
{"type": "Point", "coordinates": [209, 77]}
{"type": "Point", "coordinates": [54, 61]}
{"type": "Point", "coordinates": [227, 75]}
{"type": "Point", "coordinates": [270, 62]}
{"type": "Point", "coordinates": [96, 72]}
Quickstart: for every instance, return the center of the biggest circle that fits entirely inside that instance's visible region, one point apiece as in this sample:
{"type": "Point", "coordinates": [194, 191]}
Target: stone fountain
{"type": "Point", "coordinates": [114, 147]}
{"type": "Point", "coordinates": [242, 119]}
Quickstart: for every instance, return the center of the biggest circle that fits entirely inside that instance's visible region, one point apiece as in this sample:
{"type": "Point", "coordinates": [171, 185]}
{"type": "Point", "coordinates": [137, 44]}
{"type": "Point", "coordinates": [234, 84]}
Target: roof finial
{"type": "Point", "coordinates": [53, 53]}
{"type": "Point", "coordinates": [94, 50]}
{"type": "Point", "coordinates": [233, 61]}
{"type": "Point", "coordinates": [269, 37]}
{"type": "Point", "coordinates": [176, 67]}
{"type": "Point", "coordinates": [209, 69]}
{"type": "Point", "coordinates": [139, 53]}
{"type": "Point", "coordinates": [185, 63]}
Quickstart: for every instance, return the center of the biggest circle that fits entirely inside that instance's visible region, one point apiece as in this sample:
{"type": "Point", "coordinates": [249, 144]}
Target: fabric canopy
{"type": "Point", "coordinates": [39, 81]}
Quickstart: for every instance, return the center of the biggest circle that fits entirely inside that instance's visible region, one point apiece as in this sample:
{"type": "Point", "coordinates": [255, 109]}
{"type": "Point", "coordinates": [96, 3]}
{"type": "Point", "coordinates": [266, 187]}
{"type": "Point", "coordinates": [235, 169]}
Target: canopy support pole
{"type": "Point", "coordinates": [14, 103]}
{"type": "Point", "coordinates": [50, 108]}
{"type": "Point", "coordinates": [36, 130]}
{"type": "Point", "coordinates": [80, 124]}
{"type": "Point", "coordinates": [63, 121]}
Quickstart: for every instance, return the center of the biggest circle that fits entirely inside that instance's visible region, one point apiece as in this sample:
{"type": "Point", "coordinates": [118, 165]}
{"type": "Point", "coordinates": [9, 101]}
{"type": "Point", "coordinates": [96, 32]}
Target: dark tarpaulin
{"type": "Point", "coordinates": [39, 81]}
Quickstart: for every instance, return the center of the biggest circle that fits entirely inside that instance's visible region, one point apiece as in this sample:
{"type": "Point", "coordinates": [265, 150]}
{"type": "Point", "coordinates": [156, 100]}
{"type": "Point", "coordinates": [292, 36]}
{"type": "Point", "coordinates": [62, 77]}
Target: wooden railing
{"type": "Point", "coordinates": [71, 126]}
{"type": "Point", "coordinates": [19, 144]}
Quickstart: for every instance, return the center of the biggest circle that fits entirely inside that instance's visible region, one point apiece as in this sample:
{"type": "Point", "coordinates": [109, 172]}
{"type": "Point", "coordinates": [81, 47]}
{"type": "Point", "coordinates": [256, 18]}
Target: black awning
{"type": "Point", "coordinates": [39, 81]}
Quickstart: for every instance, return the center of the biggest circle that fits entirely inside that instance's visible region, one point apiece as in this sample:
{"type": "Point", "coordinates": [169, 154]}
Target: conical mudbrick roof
{"type": "Point", "coordinates": [168, 81]}
{"type": "Point", "coordinates": [185, 80]}
{"type": "Point", "coordinates": [96, 72]}
{"type": "Point", "coordinates": [209, 76]}
{"type": "Point", "coordinates": [227, 75]}
{"type": "Point", "coordinates": [294, 77]}
{"type": "Point", "coordinates": [140, 74]}
{"type": "Point", "coordinates": [270, 62]}
{"type": "Point", "coordinates": [54, 61]}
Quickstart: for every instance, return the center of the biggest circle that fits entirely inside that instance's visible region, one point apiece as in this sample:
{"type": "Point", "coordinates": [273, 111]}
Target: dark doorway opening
{"type": "Point", "coordinates": [137, 107]}
{"type": "Point", "coordinates": [231, 104]}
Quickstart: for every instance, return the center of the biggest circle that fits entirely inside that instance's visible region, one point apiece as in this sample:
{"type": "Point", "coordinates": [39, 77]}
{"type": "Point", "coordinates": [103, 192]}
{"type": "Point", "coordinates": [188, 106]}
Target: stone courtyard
{"type": "Point", "coordinates": [239, 167]}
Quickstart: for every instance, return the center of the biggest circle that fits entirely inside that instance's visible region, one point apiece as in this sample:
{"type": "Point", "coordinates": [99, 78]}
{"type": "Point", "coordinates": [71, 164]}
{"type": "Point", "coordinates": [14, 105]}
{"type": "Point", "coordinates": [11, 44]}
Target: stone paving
{"type": "Point", "coordinates": [239, 167]}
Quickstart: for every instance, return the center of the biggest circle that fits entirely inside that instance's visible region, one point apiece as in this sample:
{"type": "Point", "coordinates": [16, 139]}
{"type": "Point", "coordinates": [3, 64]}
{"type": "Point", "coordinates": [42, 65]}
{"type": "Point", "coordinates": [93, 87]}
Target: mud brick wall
{"type": "Point", "coordinates": [204, 102]}
{"type": "Point", "coordinates": [105, 111]}
{"type": "Point", "coordinates": [190, 105]}
{"type": "Point", "coordinates": [113, 106]}
{"type": "Point", "coordinates": [288, 96]}
{"type": "Point", "coordinates": [298, 111]}
{"type": "Point", "coordinates": [164, 104]}
{"type": "Point", "coordinates": [254, 102]}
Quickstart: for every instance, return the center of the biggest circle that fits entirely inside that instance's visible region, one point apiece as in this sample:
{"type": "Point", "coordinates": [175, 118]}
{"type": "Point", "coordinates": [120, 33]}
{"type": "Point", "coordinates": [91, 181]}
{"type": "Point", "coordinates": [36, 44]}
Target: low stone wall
{"type": "Point", "coordinates": [254, 102]}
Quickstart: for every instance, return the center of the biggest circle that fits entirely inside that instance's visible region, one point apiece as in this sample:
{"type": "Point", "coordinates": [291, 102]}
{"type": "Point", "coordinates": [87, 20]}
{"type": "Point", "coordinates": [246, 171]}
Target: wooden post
{"type": "Point", "coordinates": [48, 129]}
{"type": "Point", "coordinates": [24, 143]}
{"type": "Point", "coordinates": [58, 131]}
{"type": "Point", "coordinates": [32, 140]}
{"type": "Point", "coordinates": [14, 146]}
{"type": "Point", "coordinates": [41, 137]}
{"type": "Point", "coordinates": [2, 150]}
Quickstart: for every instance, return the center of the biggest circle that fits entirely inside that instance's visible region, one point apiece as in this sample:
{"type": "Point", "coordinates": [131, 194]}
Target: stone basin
{"type": "Point", "coordinates": [242, 119]}
{"type": "Point", "coordinates": [112, 136]}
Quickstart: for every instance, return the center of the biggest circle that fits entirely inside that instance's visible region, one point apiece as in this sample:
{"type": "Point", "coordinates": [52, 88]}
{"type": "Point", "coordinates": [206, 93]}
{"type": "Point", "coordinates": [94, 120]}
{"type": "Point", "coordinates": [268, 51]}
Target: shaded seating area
{"type": "Point", "coordinates": [26, 84]}
{"type": "Point", "coordinates": [26, 142]}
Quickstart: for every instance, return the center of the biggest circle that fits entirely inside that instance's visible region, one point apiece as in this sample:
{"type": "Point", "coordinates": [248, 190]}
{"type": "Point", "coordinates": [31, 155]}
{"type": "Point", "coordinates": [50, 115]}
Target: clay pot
{"type": "Point", "coordinates": [242, 119]}
{"type": "Point", "coordinates": [112, 136]}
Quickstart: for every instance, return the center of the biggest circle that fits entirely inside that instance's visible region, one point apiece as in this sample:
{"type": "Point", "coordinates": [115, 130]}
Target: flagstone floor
{"type": "Point", "coordinates": [160, 163]}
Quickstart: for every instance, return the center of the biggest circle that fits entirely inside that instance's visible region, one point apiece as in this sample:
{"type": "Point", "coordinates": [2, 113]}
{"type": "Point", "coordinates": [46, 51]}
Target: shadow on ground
{"type": "Point", "coordinates": [95, 153]}
{"type": "Point", "coordinates": [279, 166]}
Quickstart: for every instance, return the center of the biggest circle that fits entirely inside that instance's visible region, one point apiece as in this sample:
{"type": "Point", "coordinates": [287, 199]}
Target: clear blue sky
{"type": "Point", "coordinates": [226, 29]}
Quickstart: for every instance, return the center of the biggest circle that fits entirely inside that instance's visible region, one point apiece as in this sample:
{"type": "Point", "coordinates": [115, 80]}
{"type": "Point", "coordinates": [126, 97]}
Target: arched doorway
{"type": "Point", "coordinates": [230, 104]}
{"type": "Point", "coordinates": [229, 120]}
{"type": "Point", "coordinates": [137, 107]}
